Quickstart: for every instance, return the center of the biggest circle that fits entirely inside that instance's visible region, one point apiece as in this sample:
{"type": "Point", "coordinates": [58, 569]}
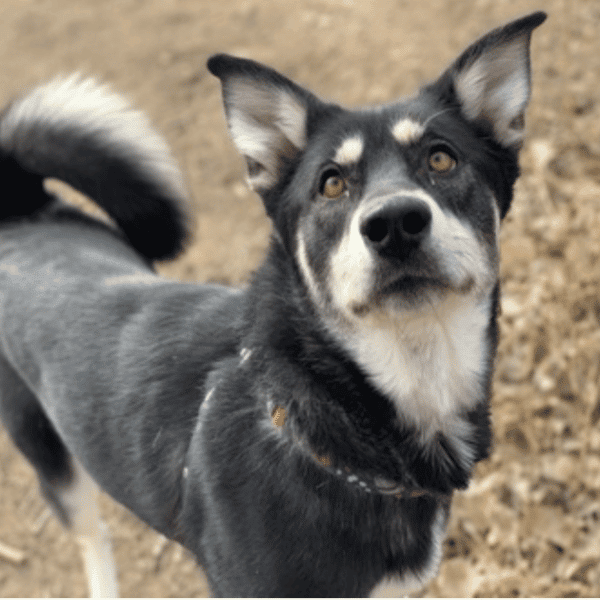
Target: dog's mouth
{"type": "Point", "coordinates": [412, 290]}
{"type": "Point", "coordinates": [412, 284]}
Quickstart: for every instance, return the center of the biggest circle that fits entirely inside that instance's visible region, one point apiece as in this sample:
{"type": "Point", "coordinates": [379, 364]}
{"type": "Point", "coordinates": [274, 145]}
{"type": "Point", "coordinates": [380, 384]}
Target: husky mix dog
{"type": "Point", "coordinates": [302, 436]}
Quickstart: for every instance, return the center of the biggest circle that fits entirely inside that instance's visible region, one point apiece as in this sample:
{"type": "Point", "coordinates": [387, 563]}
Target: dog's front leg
{"type": "Point", "coordinates": [79, 501]}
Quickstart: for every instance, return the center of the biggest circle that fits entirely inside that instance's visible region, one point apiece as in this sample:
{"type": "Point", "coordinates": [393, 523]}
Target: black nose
{"type": "Point", "coordinates": [397, 227]}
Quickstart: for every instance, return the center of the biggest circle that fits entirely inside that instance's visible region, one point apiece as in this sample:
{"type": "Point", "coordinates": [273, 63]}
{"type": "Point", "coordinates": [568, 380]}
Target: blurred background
{"type": "Point", "coordinates": [529, 525]}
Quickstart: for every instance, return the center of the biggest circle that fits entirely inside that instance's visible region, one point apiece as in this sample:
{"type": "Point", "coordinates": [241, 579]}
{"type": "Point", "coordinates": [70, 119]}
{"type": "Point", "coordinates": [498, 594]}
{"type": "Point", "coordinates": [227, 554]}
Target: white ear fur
{"type": "Point", "coordinates": [267, 124]}
{"type": "Point", "coordinates": [495, 87]}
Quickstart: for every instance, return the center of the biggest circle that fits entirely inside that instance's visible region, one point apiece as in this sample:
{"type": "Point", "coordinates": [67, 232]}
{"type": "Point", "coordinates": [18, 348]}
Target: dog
{"type": "Point", "coordinates": [303, 436]}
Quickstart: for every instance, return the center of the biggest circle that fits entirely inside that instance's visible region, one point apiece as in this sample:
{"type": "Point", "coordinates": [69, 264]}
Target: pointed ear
{"type": "Point", "coordinates": [491, 80]}
{"type": "Point", "coordinates": [266, 113]}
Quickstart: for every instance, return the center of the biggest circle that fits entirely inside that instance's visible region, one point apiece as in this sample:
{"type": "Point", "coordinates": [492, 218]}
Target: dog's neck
{"type": "Point", "coordinates": [364, 430]}
{"type": "Point", "coordinates": [363, 481]}
{"type": "Point", "coordinates": [434, 363]}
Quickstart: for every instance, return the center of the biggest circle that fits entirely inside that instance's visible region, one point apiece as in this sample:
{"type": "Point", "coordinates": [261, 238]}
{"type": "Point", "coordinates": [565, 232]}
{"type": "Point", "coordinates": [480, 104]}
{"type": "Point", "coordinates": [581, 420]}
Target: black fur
{"type": "Point", "coordinates": [153, 221]}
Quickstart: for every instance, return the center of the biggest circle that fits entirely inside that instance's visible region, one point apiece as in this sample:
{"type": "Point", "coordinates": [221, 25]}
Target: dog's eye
{"type": "Point", "coordinates": [333, 185]}
{"type": "Point", "coordinates": [441, 162]}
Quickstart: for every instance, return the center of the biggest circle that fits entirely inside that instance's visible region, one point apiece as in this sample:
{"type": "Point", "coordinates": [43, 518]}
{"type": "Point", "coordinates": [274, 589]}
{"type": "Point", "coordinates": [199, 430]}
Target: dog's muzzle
{"type": "Point", "coordinates": [397, 228]}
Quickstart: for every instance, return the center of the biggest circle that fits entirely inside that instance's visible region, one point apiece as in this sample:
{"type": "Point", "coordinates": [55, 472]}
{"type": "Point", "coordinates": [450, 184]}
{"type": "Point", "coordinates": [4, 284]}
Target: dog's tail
{"type": "Point", "coordinates": [80, 132]}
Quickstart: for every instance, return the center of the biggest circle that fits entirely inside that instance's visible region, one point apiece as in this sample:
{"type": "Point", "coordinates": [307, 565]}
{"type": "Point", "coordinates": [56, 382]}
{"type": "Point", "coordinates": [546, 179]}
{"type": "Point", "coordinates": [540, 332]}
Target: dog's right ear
{"type": "Point", "coordinates": [267, 116]}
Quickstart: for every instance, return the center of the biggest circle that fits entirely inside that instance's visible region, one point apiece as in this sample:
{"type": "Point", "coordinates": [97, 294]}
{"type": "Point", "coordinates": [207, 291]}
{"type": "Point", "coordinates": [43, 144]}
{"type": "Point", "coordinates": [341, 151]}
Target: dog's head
{"type": "Point", "coordinates": [395, 206]}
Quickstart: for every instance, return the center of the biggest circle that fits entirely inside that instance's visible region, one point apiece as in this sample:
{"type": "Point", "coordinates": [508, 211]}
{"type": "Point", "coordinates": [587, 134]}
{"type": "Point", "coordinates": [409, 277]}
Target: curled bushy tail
{"type": "Point", "coordinates": [80, 132]}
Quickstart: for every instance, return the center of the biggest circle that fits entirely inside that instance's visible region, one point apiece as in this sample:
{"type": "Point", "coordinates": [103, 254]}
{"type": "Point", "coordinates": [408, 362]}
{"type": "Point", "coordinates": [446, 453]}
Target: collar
{"type": "Point", "coordinates": [365, 482]}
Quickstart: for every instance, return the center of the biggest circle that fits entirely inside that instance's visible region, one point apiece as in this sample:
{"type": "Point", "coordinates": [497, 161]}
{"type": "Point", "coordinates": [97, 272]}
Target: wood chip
{"type": "Point", "coordinates": [12, 555]}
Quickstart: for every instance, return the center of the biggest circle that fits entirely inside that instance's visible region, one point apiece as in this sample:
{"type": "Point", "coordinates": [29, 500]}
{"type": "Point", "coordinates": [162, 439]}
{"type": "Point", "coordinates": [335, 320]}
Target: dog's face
{"type": "Point", "coordinates": [388, 208]}
{"type": "Point", "coordinates": [391, 214]}
{"type": "Point", "coordinates": [397, 215]}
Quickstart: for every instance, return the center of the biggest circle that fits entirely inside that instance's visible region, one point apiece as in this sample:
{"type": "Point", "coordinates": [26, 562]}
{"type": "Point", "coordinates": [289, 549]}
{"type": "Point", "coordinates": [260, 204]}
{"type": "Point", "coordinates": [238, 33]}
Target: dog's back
{"type": "Point", "coordinates": [117, 330]}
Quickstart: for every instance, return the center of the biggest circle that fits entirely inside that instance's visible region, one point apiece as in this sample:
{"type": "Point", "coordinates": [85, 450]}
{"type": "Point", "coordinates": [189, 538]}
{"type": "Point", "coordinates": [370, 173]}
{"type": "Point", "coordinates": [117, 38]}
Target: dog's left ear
{"type": "Point", "coordinates": [267, 115]}
{"type": "Point", "coordinates": [491, 80]}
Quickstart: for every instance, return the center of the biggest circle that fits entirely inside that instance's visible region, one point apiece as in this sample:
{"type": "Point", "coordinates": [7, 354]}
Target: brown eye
{"type": "Point", "coordinates": [441, 162]}
{"type": "Point", "coordinates": [333, 186]}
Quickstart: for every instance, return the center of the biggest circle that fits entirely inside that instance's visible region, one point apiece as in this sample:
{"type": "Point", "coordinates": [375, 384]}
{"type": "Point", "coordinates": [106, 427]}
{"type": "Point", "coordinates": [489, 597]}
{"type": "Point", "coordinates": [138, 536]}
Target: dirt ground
{"type": "Point", "coordinates": [529, 525]}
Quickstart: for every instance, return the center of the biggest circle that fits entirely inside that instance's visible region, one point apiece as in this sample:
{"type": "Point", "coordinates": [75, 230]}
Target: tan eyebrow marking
{"type": "Point", "coordinates": [350, 151]}
{"type": "Point", "coordinates": [407, 130]}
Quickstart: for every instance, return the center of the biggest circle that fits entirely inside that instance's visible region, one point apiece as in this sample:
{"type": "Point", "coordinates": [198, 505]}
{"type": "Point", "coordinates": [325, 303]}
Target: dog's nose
{"type": "Point", "coordinates": [397, 227]}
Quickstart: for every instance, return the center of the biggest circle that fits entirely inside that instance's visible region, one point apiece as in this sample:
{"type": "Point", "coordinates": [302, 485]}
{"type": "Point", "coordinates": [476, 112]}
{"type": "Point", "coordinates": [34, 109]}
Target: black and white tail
{"type": "Point", "coordinates": [80, 132]}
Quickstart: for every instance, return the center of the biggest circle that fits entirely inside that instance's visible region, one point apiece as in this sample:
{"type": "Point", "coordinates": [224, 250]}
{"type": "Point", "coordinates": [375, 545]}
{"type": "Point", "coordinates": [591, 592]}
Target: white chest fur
{"type": "Point", "coordinates": [429, 362]}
